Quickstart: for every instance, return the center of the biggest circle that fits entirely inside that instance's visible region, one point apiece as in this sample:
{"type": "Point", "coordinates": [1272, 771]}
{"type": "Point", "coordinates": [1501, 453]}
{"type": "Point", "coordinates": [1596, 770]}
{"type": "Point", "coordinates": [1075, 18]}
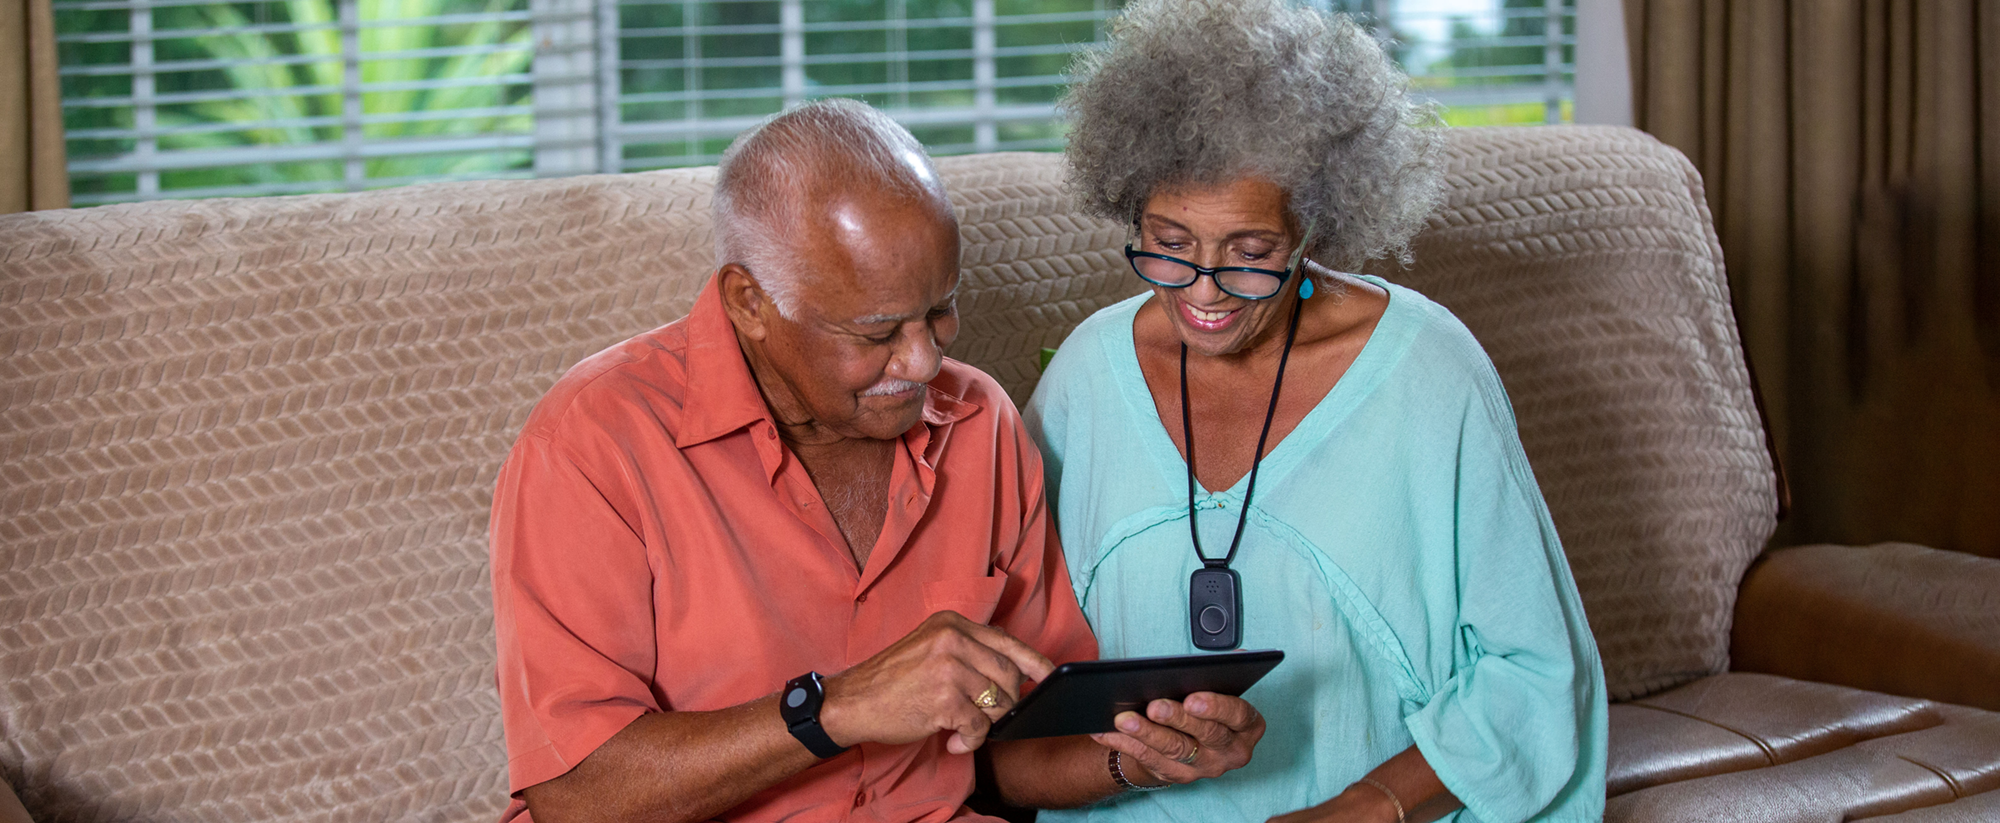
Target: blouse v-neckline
{"type": "Point", "coordinates": [1355, 384]}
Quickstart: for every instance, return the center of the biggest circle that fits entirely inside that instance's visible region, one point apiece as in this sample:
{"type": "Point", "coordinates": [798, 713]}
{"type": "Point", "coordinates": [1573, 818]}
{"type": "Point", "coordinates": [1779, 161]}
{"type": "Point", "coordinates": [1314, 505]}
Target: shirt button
{"type": "Point", "coordinates": [861, 599]}
{"type": "Point", "coordinates": [771, 434]}
{"type": "Point", "coordinates": [860, 799]}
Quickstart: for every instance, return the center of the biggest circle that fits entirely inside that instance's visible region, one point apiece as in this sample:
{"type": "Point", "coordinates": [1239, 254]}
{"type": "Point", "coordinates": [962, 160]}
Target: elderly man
{"type": "Point", "coordinates": [793, 480]}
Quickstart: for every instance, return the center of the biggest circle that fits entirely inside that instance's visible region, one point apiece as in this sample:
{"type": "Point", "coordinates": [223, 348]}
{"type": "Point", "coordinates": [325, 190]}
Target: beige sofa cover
{"type": "Point", "coordinates": [250, 445]}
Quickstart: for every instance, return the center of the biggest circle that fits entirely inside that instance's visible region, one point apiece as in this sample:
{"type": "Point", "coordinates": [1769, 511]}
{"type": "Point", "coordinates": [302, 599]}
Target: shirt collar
{"type": "Point", "coordinates": [722, 396]}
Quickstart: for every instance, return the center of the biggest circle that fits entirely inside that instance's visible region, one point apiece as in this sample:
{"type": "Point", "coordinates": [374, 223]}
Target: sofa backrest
{"type": "Point", "coordinates": [1585, 261]}
{"type": "Point", "coordinates": [250, 443]}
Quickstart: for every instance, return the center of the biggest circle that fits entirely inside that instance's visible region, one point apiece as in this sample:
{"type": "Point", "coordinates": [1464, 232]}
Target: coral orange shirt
{"type": "Point", "coordinates": [656, 547]}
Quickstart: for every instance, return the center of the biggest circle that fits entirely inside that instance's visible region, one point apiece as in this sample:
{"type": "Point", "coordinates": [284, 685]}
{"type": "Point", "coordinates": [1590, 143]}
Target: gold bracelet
{"type": "Point", "coordinates": [1393, 799]}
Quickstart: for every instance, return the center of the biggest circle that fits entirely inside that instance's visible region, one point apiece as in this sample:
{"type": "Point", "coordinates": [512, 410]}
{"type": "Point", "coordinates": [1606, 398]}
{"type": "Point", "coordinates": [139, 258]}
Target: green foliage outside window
{"type": "Point", "coordinates": [287, 56]}
{"type": "Point", "coordinates": [1513, 55]}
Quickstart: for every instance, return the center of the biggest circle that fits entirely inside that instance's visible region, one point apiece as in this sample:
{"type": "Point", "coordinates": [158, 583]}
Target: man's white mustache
{"type": "Point", "coordinates": [888, 387]}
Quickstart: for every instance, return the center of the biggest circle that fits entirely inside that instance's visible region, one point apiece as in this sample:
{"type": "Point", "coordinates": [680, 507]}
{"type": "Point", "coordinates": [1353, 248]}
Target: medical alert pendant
{"type": "Point", "coordinates": [1215, 608]}
{"type": "Point", "coordinates": [1215, 593]}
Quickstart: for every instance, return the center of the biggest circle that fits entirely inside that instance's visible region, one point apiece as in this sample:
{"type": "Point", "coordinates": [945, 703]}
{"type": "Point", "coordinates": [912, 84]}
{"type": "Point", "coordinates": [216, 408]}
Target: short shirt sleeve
{"type": "Point", "coordinates": [1044, 612]}
{"type": "Point", "coordinates": [572, 594]}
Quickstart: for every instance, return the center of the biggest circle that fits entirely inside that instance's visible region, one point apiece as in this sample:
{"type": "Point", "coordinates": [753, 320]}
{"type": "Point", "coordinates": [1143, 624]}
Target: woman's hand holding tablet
{"type": "Point", "coordinates": [1166, 720]}
{"type": "Point", "coordinates": [1151, 723]}
{"type": "Point", "coordinates": [1084, 697]}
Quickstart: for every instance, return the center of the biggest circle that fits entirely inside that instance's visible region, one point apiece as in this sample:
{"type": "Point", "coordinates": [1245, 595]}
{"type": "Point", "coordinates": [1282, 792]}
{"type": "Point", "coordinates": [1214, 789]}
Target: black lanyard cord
{"type": "Point", "coordinates": [1187, 437]}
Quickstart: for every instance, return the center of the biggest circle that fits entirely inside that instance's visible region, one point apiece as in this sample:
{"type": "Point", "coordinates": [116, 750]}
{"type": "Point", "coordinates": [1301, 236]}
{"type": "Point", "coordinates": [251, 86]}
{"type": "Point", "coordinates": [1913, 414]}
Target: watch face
{"type": "Point", "coordinates": [795, 698]}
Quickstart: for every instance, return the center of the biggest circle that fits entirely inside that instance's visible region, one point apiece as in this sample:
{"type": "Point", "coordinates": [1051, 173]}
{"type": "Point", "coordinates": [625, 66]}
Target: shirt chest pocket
{"type": "Point", "coordinates": [973, 597]}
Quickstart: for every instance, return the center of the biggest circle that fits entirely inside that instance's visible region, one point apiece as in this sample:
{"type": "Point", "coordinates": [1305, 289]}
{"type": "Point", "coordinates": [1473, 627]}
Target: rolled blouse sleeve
{"type": "Point", "coordinates": [1520, 716]}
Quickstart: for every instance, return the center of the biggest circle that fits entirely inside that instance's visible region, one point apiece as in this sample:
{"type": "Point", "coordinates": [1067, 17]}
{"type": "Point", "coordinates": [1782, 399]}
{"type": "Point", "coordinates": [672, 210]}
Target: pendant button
{"type": "Point", "coordinates": [1213, 620]}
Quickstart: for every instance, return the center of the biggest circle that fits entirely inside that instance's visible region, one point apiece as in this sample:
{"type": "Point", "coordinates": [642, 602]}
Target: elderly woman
{"type": "Point", "coordinates": [1265, 453]}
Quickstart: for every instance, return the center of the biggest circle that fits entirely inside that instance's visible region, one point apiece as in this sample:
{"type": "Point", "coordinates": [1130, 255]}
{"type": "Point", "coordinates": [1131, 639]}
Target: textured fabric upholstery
{"type": "Point", "coordinates": [1583, 260]}
{"type": "Point", "coordinates": [1033, 268]}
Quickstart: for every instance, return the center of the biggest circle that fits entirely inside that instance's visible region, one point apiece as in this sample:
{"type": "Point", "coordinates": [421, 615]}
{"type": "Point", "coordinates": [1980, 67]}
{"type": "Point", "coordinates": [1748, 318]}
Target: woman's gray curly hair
{"type": "Point", "coordinates": [1201, 92]}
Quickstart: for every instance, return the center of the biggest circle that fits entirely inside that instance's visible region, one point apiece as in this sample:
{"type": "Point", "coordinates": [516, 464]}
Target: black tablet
{"type": "Point", "coordinates": [1083, 697]}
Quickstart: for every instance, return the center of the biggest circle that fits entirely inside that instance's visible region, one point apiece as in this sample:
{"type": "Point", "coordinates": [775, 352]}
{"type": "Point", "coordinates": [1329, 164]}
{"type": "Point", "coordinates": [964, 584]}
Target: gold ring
{"type": "Point", "coordinates": [1191, 755]}
{"type": "Point", "coordinates": [987, 699]}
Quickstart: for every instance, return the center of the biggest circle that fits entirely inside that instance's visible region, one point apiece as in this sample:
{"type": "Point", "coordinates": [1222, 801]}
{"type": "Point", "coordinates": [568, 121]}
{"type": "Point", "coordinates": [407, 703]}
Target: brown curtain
{"type": "Point", "coordinates": [32, 175]}
{"type": "Point", "coordinates": [1851, 150]}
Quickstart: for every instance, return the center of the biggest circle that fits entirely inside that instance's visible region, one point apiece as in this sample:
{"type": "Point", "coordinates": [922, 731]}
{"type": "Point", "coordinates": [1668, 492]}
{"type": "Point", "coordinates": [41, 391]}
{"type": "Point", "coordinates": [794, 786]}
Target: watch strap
{"type": "Point", "coordinates": [799, 705]}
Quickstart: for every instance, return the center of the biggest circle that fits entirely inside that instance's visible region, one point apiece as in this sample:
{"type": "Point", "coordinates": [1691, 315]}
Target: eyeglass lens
{"type": "Point", "coordinates": [1176, 274]}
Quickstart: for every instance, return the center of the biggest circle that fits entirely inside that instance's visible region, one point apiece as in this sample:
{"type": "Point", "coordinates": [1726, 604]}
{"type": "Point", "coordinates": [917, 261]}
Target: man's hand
{"type": "Point", "coordinates": [928, 682]}
{"type": "Point", "coordinates": [1184, 741]}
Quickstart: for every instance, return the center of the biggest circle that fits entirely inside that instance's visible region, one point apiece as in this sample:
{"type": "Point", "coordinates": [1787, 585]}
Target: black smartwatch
{"type": "Point", "coordinates": [799, 706]}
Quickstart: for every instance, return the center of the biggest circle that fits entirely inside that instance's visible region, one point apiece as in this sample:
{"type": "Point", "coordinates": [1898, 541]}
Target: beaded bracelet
{"type": "Point", "coordinates": [1118, 775]}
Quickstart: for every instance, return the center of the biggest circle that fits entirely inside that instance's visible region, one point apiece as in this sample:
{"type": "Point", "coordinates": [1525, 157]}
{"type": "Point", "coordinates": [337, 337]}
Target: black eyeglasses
{"type": "Point", "coordinates": [1235, 281]}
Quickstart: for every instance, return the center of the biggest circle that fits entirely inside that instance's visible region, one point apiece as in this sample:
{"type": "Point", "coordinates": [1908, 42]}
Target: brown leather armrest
{"type": "Point", "coordinates": [1892, 617]}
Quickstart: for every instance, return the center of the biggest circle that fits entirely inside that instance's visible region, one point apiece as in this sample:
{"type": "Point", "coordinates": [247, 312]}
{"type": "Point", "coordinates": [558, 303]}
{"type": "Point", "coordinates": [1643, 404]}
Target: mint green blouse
{"type": "Point", "coordinates": [1398, 551]}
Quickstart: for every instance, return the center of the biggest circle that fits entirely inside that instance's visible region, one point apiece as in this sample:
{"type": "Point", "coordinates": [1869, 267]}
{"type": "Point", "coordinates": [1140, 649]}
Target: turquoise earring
{"type": "Point", "coordinates": [1305, 287]}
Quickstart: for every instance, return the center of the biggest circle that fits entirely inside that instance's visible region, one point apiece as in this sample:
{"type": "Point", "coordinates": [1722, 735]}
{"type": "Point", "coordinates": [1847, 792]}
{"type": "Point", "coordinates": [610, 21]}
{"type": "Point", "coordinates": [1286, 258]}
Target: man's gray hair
{"type": "Point", "coordinates": [1201, 92]}
{"type": "Point", "coordinates": [803, 159]}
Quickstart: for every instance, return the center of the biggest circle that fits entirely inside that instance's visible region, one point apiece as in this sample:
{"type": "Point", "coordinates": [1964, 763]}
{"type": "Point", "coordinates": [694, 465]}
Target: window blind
{"type": "Point", "coordinates": [1492, 62]}
{"type": "Point", "coordinates": [190, 98]}
{"type": "Point", "coordinates": [963, 75]}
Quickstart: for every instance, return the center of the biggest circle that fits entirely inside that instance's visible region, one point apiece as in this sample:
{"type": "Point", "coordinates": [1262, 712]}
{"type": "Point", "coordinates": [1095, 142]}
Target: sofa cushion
{"type": "Point", "coordinates": [1964, 750]}
{"type": "Point", "coordinates": [1984, 808]}
{"type": "Point", "coordinates": [1736, 722]}
{"type": "Point", "coordinates": [1753, 747]}
{"type": "Point", "coordinates": [1584, 261]}
{"type": "Point", "coordinates": [1649, 747]}
{"type": "Point", "coordinates": [1792, 719]}
{"type": "Point", "coordinates": [1831, 788]}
